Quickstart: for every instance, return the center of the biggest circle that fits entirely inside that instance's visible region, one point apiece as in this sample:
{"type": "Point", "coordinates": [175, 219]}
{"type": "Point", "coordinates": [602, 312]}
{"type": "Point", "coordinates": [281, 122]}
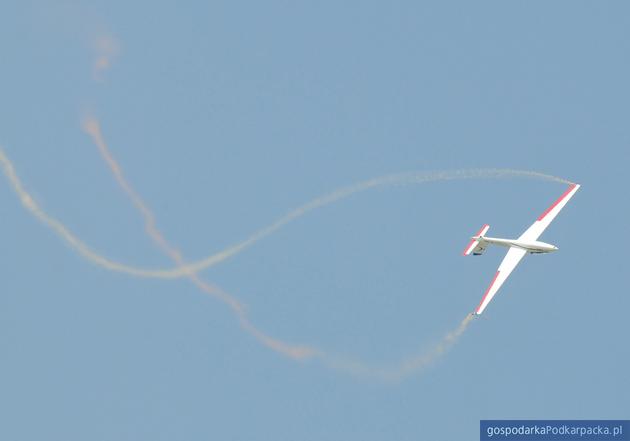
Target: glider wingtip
{"type": "Point", "coordinates": [468, 248]}
{"type": "Point", "coordinates": [574, 186]}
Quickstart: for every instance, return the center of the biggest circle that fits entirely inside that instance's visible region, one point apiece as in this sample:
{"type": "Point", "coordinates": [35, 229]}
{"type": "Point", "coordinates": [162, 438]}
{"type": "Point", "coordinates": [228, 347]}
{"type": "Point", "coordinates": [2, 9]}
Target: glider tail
{"type": "Point", "coordinates": [477, 245]}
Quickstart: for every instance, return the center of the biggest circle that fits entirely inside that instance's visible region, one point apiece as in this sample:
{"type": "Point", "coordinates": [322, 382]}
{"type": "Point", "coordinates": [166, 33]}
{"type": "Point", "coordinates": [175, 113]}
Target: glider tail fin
{"type": "Point", "coordinates": [477, 245]}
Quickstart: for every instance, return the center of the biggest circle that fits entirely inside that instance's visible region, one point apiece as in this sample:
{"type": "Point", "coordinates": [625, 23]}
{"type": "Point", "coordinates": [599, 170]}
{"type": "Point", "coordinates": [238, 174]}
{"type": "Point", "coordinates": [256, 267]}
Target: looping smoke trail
{"type": "Point", "coordinates": [322, 201]}
{"type": "Point", "coordinates": [92, 127]}
{"type": "Point", "coordinates": [297, 352]}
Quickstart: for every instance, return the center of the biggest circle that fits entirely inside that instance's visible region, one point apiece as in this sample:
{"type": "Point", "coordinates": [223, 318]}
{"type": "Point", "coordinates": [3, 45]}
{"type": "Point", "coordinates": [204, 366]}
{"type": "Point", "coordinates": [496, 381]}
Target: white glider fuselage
{"type": "Point", "coordinates": [533, 247]}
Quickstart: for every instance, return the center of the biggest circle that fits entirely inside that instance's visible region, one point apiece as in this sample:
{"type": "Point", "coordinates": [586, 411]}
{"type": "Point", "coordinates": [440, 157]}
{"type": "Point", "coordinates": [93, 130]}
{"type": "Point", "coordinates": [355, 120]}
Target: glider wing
{"type": "Point", "coordinates": [543, 221]}
{"type": "Point", "coordinates": [511, 259]}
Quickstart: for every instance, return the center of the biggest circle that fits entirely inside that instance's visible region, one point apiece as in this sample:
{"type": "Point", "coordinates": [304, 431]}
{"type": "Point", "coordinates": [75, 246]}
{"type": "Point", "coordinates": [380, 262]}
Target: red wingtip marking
{"type": "Point", "coordinates": [564, 195]}
{"type": "Point", "coordinates": [483, 299]}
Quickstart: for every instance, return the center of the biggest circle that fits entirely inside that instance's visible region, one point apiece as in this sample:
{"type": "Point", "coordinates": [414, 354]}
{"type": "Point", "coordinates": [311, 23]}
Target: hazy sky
{"type": "Point", "coordinates": [224, 117]}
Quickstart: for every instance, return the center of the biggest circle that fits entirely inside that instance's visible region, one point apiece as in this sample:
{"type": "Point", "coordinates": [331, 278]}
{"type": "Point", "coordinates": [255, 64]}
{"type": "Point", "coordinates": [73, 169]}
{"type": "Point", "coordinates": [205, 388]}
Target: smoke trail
{"type": "Point", "coordinates": [322, 201]}
{"type": "Point", "coordinates": [352, 366]}
{"type": "Point", "coordinates": [404, 368]}
{"type": "Point", "coordinates": [60, 229]}
{"type": "Point", "coordinates": [106, 48]}
{"type": "Point", "coordinates": [92, 127]}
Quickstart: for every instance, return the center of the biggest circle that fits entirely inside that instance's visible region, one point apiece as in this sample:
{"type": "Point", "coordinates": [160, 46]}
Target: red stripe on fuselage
{"type": "Point", "coordinates": [564, 195]}
{"type": "Point", "coordinates": [483, 299]}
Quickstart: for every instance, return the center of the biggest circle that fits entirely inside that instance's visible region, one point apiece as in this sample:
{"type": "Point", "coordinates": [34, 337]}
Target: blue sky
{"type": "Point", "coordinates": [225, 116]}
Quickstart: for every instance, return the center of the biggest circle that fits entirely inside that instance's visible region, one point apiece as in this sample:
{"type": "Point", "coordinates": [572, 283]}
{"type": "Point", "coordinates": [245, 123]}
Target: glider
{"type": "Point", "coordinates": [517, 248]}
